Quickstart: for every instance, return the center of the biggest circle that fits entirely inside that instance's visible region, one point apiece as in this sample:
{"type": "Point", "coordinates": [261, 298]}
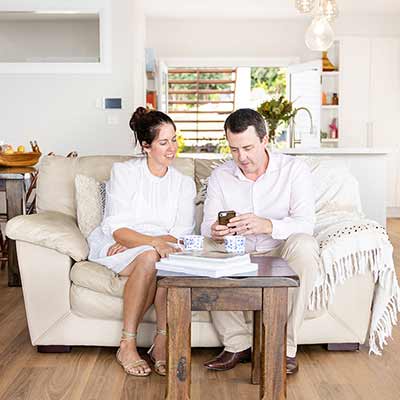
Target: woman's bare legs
{"type": "Point", "coordinates": [160, 341]}
{"type": "Point", "coordinates": [138, 296]}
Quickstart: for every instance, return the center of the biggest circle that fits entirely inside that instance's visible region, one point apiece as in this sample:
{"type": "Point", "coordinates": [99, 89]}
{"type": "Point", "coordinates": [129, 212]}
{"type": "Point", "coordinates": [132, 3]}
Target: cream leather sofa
{"type": "Point", "coordinates": [70, 301]}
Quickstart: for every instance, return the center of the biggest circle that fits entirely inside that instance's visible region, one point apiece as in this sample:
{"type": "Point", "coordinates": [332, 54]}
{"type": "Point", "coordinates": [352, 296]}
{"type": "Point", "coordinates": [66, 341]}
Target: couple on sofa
{"type": "Point", "coordinates": [149, 205]}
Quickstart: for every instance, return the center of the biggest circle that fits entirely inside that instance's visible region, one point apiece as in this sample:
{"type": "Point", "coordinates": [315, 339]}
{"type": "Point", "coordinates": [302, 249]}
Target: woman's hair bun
{"type": "Point", "coordinates": [146, 125]}
{"type": "Point", "coordinates": [137, 115]}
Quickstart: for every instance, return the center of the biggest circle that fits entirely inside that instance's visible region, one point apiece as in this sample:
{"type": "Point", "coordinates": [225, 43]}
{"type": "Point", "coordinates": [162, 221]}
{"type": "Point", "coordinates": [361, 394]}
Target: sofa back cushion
{"type": "Point", "coordinates": [335, 187]}
{"type": "Point", "coordinates": [337, 194]}
{"type": "Point", "coordinates": [56, 182]}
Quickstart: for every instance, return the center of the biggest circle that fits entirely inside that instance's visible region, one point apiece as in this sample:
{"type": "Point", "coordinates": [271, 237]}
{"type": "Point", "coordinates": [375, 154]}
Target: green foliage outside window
{"type": "Point", "coordinates": [272, 80]}
{"type": "Point", "coordinates": [193, 86]}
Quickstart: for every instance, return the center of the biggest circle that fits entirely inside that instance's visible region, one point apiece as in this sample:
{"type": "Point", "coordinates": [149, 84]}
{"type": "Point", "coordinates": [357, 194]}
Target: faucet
{"type": "Point", "coordinates": [292, 133]}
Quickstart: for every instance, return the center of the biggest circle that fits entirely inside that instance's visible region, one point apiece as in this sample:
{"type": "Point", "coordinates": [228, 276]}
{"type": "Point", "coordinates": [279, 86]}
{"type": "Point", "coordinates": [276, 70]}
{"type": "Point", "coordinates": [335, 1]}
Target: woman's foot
{"type": "Point", "coordinates": [158, 352]}
{"type": "Point", "coordinates": [129, 357]}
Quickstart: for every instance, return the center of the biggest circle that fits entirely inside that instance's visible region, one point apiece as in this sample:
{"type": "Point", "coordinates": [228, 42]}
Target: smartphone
{"type": "Point", "coordinates": [225, 216]}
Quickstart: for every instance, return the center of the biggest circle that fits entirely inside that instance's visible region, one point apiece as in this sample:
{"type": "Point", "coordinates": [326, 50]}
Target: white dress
{"type": "Point", "coordinates": [148, 204]}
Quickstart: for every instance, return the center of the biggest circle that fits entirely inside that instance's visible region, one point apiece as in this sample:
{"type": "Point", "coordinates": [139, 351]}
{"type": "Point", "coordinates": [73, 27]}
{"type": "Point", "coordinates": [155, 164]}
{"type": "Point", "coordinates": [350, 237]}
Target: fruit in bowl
{"type": "Point", "coordinates": [19, 157]}
{"type": "Point", "coordinates": [9, 150]}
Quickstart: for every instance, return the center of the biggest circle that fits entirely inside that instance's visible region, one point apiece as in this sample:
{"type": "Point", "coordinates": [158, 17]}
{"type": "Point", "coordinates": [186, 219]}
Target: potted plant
{"type": "Point", "coordinates": [276, 112]}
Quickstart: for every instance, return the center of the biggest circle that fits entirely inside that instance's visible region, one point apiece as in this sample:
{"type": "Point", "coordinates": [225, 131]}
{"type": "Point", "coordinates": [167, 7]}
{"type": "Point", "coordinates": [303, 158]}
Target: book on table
{"type": "Point", "coordinates": [211, 263]}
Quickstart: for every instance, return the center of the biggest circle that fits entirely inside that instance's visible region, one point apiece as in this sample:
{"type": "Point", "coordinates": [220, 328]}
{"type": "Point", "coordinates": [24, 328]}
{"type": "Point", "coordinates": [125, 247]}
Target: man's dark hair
{"type": "Point", "coordinates": [241, 119]}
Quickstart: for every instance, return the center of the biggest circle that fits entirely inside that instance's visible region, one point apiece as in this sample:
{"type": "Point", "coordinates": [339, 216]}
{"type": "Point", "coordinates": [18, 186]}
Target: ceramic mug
{"type": "Point", "coordinates": [192, 242]}
{"type": "Point", "coordinates": [235, 244]}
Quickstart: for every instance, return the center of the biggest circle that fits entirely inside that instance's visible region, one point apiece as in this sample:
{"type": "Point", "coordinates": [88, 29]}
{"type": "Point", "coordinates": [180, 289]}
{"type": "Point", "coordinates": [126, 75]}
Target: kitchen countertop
{"type": "Point", "coordinates": [313, 151]}
{"type": "Point", "coordinates": [337, 150]}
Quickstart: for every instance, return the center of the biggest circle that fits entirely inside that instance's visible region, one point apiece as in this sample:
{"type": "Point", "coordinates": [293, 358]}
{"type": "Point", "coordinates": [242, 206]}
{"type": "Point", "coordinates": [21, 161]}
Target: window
{"type": "Point", "coordinates": [199, 100]}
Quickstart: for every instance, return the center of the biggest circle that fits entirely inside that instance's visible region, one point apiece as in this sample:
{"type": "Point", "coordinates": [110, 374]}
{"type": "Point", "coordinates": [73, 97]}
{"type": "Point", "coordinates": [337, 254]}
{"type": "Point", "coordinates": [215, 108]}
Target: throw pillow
{"type": "Point", "coordinates": [90, 196]}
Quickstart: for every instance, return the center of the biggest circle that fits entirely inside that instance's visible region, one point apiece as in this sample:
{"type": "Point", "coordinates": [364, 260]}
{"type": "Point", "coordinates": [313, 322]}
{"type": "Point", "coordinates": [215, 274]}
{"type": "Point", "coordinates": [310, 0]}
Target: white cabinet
{"type": "Point", "coordinates": [384, 98]}
{"type": "Point", "coordinates": [370, 98]}
{"type": "Point", "coordinates": [354, 91]}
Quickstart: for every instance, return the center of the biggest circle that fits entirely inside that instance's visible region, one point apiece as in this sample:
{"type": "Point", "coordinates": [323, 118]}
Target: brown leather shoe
{"type": "Point", "coordinates": [291, 365]}
{"type": "Point", "coordinates": [227, 360]}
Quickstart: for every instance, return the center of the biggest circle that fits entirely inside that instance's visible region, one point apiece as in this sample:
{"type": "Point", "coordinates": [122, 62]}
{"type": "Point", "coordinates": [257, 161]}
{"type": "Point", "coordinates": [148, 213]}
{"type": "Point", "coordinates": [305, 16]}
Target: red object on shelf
{"type": "Point", "coordinates": [151, 99]}
{"type": "Point", "coordinates": [333, 129]}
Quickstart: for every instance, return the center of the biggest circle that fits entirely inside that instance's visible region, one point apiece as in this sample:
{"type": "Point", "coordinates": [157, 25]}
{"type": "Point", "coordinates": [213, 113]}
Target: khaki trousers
{"type": "Point", "coordinates": [301, 251]}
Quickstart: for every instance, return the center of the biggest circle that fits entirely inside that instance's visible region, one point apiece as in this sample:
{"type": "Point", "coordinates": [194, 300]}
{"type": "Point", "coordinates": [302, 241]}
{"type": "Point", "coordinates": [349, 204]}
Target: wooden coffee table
{"type": "Point", "coordinates": [265, 292]}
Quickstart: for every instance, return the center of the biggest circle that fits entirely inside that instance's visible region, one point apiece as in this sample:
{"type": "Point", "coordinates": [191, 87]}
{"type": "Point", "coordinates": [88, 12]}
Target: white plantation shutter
{"type": "Point", "coordinates": [199, 100]}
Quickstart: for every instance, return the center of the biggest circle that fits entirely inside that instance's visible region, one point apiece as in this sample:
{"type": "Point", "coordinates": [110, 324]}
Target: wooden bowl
{"type": "Point", "coordinates": [19, 159]}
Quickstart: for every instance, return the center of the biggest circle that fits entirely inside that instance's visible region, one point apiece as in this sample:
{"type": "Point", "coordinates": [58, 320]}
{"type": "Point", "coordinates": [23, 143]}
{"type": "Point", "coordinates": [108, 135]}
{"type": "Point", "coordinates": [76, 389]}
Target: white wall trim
{"type": "Point", "coordinates": [105, 37]}
{"type": "Point", "coordinates": [229, 62]}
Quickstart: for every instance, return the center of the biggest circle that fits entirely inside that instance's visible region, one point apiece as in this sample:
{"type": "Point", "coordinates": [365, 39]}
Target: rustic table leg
{"type": "Point", "coordinates": [256, 355]}
{"type": "Point", "coordinates": [179, 345]}
{"type": "Point", "coordinates": [273, 352]}
{"type": "Point", "coordinates": [14, 194]}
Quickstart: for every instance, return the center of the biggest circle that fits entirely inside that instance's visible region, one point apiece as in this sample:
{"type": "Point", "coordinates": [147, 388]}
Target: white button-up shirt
{"type": "Point", "coordinates": [283, 194]}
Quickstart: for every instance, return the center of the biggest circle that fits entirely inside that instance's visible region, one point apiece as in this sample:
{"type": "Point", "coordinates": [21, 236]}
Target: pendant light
{"type": "Point", "coordinates": [305, 6]}
{"type": "Point", "coordinates": [319, 35]}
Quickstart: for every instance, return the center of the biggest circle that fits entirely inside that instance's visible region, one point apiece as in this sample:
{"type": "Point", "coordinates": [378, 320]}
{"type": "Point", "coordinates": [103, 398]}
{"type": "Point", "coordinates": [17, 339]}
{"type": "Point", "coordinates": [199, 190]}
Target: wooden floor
{"type": "Point", "coordinates": [92, 373]}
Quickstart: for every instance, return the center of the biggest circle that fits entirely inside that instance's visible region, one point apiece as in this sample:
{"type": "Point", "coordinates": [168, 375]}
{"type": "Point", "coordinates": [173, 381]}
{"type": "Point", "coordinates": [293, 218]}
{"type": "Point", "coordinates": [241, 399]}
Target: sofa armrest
{"type": "Point", "coordinates": [53, 230]}
{"type": "Point", "coordinates": [46, 286]}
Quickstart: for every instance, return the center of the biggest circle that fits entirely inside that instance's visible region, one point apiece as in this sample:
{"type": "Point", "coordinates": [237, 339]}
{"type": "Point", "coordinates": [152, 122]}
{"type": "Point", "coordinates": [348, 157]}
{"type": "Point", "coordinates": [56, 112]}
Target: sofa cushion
{"type": "Point", "coordinates": [336, 190]}
{"type": "Point", "coordinates": [88, 303]}
{"type": "Point", "coordinates": [90, 197]}
{"type": "Point", "coordinates": [98, 278]}
{"type": "Point", "coordinates": [50, 229]}
{"type": "Point", "coordinates": [56, 182]}
{"type": "Point", "coordinates": [203, 169]}
{"type": "Point", "coordinates": [97, 292]}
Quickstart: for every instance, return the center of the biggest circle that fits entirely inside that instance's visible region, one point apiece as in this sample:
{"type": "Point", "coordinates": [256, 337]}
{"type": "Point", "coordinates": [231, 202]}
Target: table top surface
{"type": "Point", "coordinates": [272, 272]}
{"type": "Point", "coordinates": [15, 172]}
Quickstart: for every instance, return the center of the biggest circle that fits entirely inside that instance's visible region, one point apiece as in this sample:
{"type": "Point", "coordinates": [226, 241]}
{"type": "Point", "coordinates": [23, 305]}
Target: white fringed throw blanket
{"type": "Point", "coordinates": [351, 245]}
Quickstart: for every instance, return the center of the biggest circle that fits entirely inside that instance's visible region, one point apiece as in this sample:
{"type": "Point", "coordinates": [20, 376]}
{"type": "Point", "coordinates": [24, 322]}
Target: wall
{"type": "Point", "coordinates": [30, 40]}
{"type": "Point", "coordinates": [173, 38]}
{"type": "Point", "coordinates": [59, 110]}
{"type": "Point", "coordinates": [225, 38]}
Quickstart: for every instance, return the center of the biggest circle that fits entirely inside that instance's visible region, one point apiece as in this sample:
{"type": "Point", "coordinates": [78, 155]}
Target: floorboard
{"type": "Point", "coordinates": [91, 372]}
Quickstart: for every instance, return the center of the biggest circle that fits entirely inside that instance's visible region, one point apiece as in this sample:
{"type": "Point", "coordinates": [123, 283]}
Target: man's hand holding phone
{"type": "Point", "coordinates": [219, 231]}
{"type": "Point", "coordinates": [250, 224]}
{"type": "Point", "coordinates": [219, 228]}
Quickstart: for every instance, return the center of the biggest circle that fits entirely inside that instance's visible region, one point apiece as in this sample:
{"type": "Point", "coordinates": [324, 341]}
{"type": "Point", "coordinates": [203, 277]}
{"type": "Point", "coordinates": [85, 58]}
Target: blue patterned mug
{"type": "Point", "coordinates": [235, 244]}
{"type": "Point", "coordinates": [192, 242]}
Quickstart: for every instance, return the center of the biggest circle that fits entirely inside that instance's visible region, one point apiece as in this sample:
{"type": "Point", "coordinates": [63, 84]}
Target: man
{"type": "Point", "coordinates": [272, 195]}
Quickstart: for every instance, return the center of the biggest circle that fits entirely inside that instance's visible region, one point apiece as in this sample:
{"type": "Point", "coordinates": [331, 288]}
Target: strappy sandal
{"type": "Point", "coordinates": [160, 366]}
{"type": "Point", "coordinates": [127, 366]}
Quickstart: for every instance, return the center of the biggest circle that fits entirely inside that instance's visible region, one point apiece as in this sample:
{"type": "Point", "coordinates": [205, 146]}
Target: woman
{"type": "Point", "coordinates": [149, 205]}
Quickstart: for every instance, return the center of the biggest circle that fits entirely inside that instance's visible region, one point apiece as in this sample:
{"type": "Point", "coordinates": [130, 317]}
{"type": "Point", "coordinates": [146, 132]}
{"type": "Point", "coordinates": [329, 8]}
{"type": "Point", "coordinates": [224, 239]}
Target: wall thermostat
{"type": "Point", "coordinates": [112, 103]}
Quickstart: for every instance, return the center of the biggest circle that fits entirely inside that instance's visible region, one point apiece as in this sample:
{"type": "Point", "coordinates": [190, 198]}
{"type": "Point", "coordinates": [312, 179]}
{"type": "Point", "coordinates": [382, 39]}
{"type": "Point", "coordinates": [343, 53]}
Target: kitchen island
{"type": "Point", "coordinates": [368, 165]}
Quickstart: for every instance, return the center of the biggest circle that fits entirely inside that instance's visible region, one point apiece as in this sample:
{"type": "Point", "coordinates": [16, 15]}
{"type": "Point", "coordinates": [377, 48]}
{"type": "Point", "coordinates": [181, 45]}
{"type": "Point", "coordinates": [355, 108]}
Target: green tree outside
{"type": "Point", "coordinates": [271, 79]}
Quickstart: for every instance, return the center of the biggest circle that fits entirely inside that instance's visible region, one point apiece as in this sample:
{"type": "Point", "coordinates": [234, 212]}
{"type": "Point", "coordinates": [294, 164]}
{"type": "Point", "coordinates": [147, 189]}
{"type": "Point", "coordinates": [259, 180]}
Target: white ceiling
{"type": "Point", "coordinates": [260, 8]}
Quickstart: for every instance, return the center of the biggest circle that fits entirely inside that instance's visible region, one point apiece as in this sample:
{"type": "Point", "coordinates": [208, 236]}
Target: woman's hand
{"type": "Point", "coordinates": [163, 248]}
{"type": "Point", "coordinates": [115, 249]}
